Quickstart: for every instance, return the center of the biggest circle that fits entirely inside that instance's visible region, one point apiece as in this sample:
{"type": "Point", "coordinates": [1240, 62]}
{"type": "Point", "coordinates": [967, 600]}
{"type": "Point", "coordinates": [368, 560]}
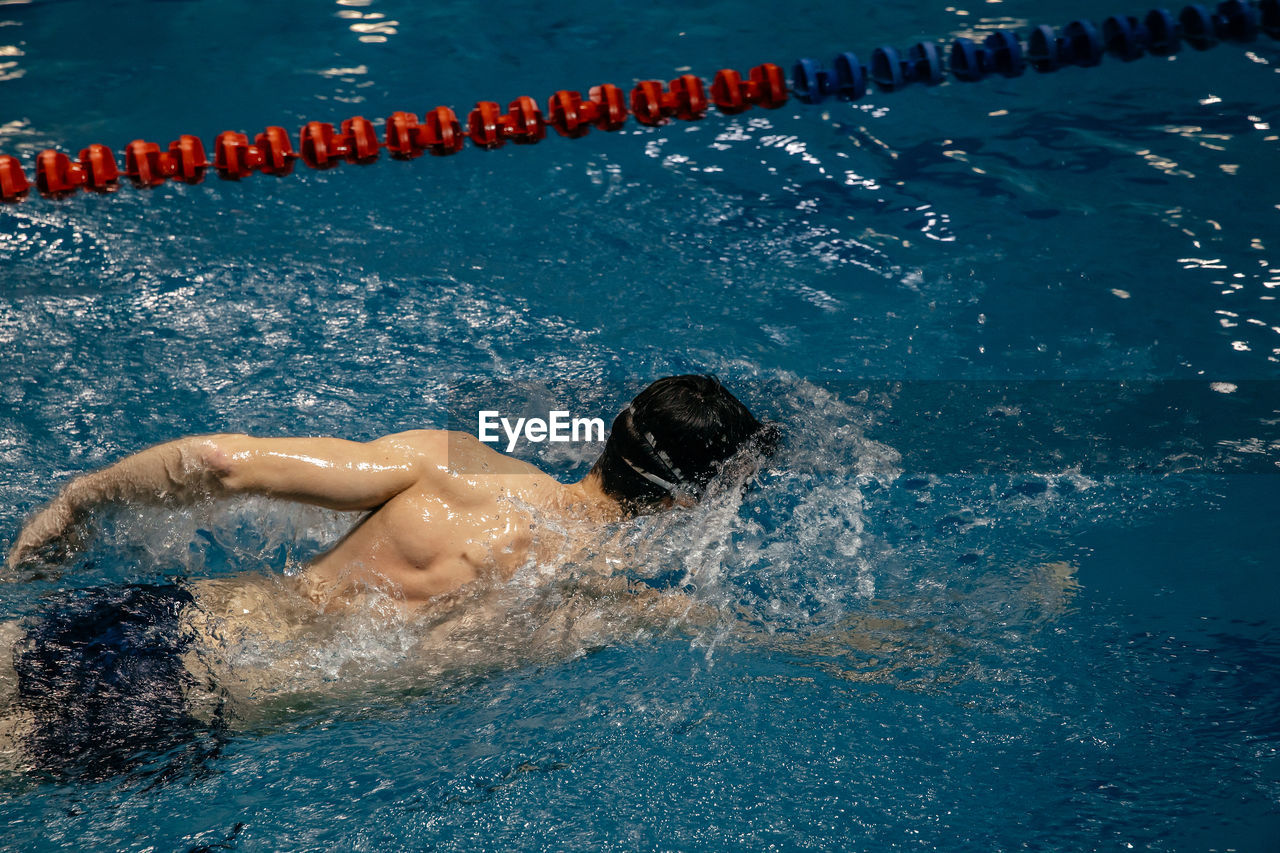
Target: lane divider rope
{"type": "Point", "coordinates": [440, 133]}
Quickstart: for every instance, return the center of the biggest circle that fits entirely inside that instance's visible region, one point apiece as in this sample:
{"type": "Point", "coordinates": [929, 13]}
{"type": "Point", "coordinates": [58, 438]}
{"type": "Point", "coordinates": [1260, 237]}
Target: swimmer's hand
{"type": "Point", "coordinates": [56, 533]}
{"type": "Point", "coordinates": [177, 470]}
{"type": "Point", "coordinates": [670, 609]}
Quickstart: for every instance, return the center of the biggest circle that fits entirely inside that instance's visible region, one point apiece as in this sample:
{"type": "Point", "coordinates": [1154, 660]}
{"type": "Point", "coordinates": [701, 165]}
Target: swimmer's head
{"type": "Point", "coordinates": [673, 438]}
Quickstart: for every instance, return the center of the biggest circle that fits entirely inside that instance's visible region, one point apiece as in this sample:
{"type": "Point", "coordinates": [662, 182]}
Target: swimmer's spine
{"type": "Point", "coordinates": [321, 146]}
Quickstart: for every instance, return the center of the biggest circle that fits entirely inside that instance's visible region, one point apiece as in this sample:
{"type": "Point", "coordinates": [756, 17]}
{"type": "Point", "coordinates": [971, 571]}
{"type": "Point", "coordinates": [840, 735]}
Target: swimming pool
{"type": "Point", "coordinates": [1009, 583]}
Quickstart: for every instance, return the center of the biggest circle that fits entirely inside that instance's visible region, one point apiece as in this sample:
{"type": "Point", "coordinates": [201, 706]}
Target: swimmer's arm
{"type": "Point", "coordinates": [650, 606]}
{"type": "Point", "coordinates": [154, 472]}
{"type": "Point", "coordinates": [328, 472]}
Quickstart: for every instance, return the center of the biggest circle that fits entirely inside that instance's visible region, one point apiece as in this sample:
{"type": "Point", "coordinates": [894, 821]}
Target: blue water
{"type": "Point", "coordinates": [1009, 583]}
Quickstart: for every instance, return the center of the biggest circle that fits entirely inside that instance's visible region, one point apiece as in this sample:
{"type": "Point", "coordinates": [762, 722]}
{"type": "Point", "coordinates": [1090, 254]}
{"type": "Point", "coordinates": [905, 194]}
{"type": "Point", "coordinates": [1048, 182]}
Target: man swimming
{"type": "Point", "coordinates": [444, 509]}
{"type": "Point", "coordinates": [444, 512]}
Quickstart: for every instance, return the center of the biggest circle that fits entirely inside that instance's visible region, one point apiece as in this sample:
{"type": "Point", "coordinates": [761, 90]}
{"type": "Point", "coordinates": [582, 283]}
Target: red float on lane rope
{"type": "Point", "coordinates": [99, 165]}
{"type": "Point", "coordinates": [729, 93]}
{"type": "Point", "coordinates": [567, 113]}
{"type": "Point", "coordinates": [233, 156]}
{"type": "Point", "coordinates": [439, 133]}
{"type": "Point", "coordinates": [524, 122]}
{"type": "Point", "coordinates": [189, 163]}
{"type": "Point", "coordinates": [277, 152]}
{"type": "Point", "coordinates": [56, 175]}
{"type": "Point", "coordinates": [611, 106]}
{"type": "Point", "coordinates": [484, 126]}
{"type": "Point", "coordinates": [319, 146]}
{"type": "Point", "coordinates": [361, 140]}
{"type": "Point", "coordinates": [402, 138]}
{"type": "Point", "coordinates": [768, 86]}
{"type": "Point", "coordinates": [146, 165]}
{"type": "Point", "coordinates": [647, 103]}
{"type": "Point", "coordinates": [13, 181]}
{"type": "Point", "coordinates": [688, 97]}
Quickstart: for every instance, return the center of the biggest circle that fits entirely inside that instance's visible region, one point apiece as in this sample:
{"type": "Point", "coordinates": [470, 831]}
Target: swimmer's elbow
{"type": "Point", "coordinates": [214, 461]}
{"type": "Point", "coordinates": [182, 469]}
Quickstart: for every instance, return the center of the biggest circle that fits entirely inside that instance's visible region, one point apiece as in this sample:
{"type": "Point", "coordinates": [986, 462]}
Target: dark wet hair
{"type": "Point", "coordinates": [672, 439]}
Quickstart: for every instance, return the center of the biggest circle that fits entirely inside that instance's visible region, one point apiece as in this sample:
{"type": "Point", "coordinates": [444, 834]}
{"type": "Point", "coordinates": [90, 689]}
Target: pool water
{"type": "Point", "coordinates": [1009, 582]}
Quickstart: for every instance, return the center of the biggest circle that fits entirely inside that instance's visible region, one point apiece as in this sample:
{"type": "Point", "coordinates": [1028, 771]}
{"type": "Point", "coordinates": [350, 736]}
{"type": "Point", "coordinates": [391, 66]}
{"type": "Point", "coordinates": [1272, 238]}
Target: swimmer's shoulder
{"type": "Point", "coordinates": [429, 444]}
{"type": "Point", "coordinates": [452, 453]}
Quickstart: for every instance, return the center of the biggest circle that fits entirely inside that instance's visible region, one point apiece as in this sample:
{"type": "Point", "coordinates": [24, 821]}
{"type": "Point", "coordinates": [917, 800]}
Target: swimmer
{"type": "Point", "coordinates": [445, 512]}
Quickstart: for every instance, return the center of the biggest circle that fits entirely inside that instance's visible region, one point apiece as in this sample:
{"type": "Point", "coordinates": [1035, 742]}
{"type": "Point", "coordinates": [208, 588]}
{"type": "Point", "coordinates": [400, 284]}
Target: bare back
{"type": "Point", "coordinates": [444, 509]}
{"type": "Point", "coordinates": [471, 515]}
